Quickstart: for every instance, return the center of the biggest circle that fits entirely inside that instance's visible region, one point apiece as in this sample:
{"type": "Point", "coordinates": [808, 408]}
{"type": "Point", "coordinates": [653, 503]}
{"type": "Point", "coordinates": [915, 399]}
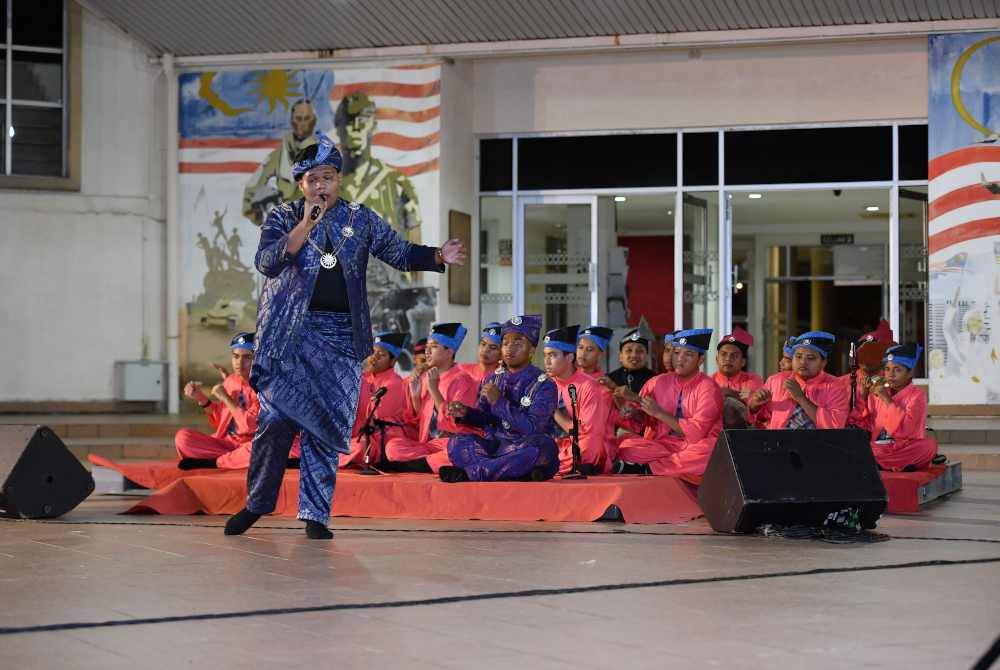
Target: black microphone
{"type": "Point", "coordinates": [314, 212]}
{"type": "Point", "coordinates": [380, 392]}
{"type": "Point", "coordinates": [572, 392]}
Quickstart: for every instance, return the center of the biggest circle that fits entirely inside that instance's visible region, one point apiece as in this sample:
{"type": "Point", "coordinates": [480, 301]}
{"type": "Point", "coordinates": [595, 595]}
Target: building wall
{"type": "Point", "coordinates": [82, 273]}
{"type": "Point", "coordinates": [458, 190]}
{"type": "Point", "coordinates": [786, 84]}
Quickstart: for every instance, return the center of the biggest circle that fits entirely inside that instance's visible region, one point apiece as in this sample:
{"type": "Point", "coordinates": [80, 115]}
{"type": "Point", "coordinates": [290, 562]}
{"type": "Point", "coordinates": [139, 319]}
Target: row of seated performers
{"type": "Point", "coordinates": [502, 418]}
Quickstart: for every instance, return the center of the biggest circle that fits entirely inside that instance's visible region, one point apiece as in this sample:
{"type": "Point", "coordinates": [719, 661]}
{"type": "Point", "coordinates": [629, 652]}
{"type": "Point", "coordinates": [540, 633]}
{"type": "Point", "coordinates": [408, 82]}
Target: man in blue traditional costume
{"type": "Point", "coordinates": [515, 410]}
{"type": "Point", "coordinates": [313, 332]}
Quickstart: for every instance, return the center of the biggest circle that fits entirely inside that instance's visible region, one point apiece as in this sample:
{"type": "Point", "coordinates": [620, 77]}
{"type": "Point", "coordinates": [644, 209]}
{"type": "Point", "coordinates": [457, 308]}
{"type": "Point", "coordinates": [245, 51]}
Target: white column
{"type": "Point", "coordinates": [173, 240]}
{"type": "Point", "coordinates": [679, 238]}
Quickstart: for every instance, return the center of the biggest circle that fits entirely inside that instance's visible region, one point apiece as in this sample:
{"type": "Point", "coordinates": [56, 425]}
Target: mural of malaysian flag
{"type": "Point", "coordinates": [963, 195]}
{"type": "Point", "coordinates": [230, 121]}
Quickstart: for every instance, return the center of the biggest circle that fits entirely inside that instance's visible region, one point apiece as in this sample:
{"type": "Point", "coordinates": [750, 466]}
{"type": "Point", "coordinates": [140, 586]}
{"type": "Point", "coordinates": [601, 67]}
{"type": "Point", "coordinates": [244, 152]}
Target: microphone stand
{"type": "Point", "coordinates": [853, 358]}
{"type": "Point", "coordinates": [574, 472]}
{"type": "Point", "coordinates": [367, 431]}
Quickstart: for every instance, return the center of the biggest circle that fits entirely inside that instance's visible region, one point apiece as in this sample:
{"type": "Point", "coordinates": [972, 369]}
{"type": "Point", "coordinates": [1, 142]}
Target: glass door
{"type": "Point", "coordinates": [556, 255]}
{"type": "Point", "coordinates": [700, 261]}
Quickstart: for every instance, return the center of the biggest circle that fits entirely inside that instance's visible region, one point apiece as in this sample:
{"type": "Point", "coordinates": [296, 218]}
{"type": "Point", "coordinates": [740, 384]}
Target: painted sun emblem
{"type": "Point", "coordinates": [275, 86]}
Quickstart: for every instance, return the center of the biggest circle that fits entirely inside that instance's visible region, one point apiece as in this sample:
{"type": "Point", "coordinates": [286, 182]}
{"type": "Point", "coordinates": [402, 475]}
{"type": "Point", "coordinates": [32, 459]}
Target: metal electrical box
{"type": "Point", "coordinates": [140, 380]}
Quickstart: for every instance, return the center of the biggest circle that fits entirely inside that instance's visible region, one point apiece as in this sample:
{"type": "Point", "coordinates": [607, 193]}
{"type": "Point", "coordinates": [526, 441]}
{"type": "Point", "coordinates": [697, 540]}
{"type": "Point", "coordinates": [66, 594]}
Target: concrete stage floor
{"type": "Point", "coordinates": [639, 596]}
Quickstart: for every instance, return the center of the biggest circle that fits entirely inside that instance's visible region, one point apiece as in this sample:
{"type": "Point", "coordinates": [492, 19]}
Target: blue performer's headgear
{"type": "Point", "coordinates": [450, 335]}
{"type": "Point", "coordinates": [788, 348]}
{"type": "Point", "coordinates": [242, 341]}
{"type": "Point", "coordinates": [906, 355]}
{"type": "Point", "coordinates": [324, 152]}
{"type": "Point", "coordinates": [492, 332]}
{"type": "Point", "coordinates": [392, 342]}
{"type": "Point", "coordinates": [529, 325]}
{"type": "Point", "coordinates": [818, 340]}
{"type": "Point", "coordinates": [695, 339]}
{"type": "Point", "coordinates": [562, 339]}
{"type": "Point", "coordinates": [668, 339]}
{"type": "Point", "coordinates": [599, 335]}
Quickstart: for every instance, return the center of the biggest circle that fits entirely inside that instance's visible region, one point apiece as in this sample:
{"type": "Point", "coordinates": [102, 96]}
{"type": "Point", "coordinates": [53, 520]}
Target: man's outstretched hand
{"type": "Point", "coordinates": [453, 252]}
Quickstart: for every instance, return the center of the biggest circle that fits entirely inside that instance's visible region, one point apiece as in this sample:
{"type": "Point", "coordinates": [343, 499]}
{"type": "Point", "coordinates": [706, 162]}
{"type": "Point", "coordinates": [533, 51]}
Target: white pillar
{"type": "Point", "coordinates": [173, 240]}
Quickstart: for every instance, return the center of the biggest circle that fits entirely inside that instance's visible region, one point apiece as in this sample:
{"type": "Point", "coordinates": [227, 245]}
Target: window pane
{"type": "Point", "coordinates": [3, 21]}
{"type": "Point", "coordinates": [496, 259]}
{"type": "Point", "coordinates": [805, 155]}
{"type": "Point", "coordinates": [601, 161]}
{"type": "Point", "coordinates": [37, 76]}
{"type": "Point", "coordinates": [913, 152]}
{"type": "Point", "coordinates": [701, 159]}
{"type": "Point", "coordinates": [3, 144]}
{"type": "Point", "coordinates": [37, 142]}
{"type": "Point", "coordinates": [38, 23]}
{"type": "Point", "coordinates": [913, 282]}
{"type": "Point", "coordinates": [496, 159]}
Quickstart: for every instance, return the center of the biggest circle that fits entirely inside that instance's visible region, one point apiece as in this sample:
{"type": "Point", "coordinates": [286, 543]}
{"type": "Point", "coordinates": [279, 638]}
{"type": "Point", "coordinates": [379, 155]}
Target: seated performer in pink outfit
{"type": "Point", "coordinates": [387, 422]}
{"type": "Point", "coordinates": [488, 354]}
{"type": "Point", "coordinates": [896, 414]}
{"type": "Point", "coordinates": [806, 397]}
{"type": "Point", "coordinates": [683, 415]}
{"type": "Point", "coordinates": [785, 360]}
{"type": "Point", "coordinates": [735, 382]}
{"type": "Point", "coordinates": [431, 390]}
{"type": "Point", "coordinates": [233, 414]}
{"type": "Point", "coordinates": [593, 407]}
{"type": "Point", "coordinates": [591, 349]}
{"type": "Point", "coordinates": [667, 360]}
{"type": "Point", "coordinates": [870, 351]}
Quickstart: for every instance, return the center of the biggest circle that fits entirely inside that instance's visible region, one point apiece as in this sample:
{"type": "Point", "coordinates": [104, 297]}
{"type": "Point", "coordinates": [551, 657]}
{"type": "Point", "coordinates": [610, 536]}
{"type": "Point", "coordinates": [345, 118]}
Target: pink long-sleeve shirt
{"type": "Point", "coordinates": [455, 386]}
{"type": "Point", "coordinates": [593, 407]}
{"type": "Point", "coordinates": [701, 408]}
{"type": "Point", "coordinates": [824, 390]}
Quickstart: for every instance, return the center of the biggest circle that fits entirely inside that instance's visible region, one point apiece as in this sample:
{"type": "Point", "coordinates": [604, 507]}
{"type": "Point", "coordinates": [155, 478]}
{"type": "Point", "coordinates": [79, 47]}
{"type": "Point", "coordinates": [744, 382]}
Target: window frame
{"type": "Point", "coordinates": [71, 113]}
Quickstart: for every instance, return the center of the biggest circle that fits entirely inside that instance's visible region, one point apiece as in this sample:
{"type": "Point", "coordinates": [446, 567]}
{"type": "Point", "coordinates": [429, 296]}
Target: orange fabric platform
{"type": "Point", "coordinates": [413, 496]}
{"type": "Point", "coordinates": [902, 488]}
{"type": "Point", "coordinates": [151, 474]}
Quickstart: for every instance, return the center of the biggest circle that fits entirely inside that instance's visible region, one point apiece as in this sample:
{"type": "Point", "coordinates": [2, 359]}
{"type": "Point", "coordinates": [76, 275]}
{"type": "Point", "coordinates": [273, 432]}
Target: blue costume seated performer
{"type": "Point", "coordinates": [313, 331]}
{"type": "Point", "coordinates": [515, 410]}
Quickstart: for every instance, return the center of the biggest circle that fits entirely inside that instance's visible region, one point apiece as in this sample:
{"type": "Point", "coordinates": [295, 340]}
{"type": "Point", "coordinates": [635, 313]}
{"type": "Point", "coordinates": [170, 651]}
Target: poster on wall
{"type": "Point", "coordinates": [964, 220]}
{"type": "Point", "coordinates": [240, 133]}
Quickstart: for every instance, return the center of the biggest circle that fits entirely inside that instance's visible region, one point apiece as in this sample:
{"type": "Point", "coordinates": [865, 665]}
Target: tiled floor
{"type": "Point", "coordinates": [640, 596]}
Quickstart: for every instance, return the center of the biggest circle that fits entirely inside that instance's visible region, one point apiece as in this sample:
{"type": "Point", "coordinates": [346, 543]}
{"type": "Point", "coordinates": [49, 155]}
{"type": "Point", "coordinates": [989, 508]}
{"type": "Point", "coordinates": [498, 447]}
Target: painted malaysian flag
{"type": "Point", "coordinates": [963, 198]}
{"type": "Point", "coordinates": [232, 121]}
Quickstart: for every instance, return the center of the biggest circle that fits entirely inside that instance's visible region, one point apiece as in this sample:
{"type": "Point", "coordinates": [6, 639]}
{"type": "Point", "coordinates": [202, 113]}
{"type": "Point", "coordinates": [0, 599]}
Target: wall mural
{"type": "Point", "coordinates": [240, 132]}
{"type": "Point", "coordinates": [963, 360]}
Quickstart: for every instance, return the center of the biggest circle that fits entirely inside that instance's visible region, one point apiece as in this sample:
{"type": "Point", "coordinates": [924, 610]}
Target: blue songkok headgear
{"type": "Point", "coordinates": [670, 337]}
{"type": "Point", "coordinates": [599, 335]}
{"type": "Point", "coordinates": [242, 341]}
{"type": "Point", "coordinates": [326, 154]}
{"type": "Point", "coordinates": [788, 348]}
{"type": "Point", "coordinates": [818, 340]}
{"type": "Point", "coordinates": [492, 332]}
{"type": "Point", "coordinates": [562, 339]}
{"type": "Point", "coordinates": [695, 339]}
{"type": "Point", "coordinates": [450, 335]}
{"type": "Point", "coordinates": [392, 342]}
{"type": "Point", "coordinates": [529, 325]}
{"type": "Point", "coordinates": [906, 355]}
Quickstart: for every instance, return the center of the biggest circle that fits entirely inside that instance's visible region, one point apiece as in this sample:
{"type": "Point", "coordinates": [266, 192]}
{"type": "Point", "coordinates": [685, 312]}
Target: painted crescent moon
{"type": "Point", "coordinates": [956, 80]}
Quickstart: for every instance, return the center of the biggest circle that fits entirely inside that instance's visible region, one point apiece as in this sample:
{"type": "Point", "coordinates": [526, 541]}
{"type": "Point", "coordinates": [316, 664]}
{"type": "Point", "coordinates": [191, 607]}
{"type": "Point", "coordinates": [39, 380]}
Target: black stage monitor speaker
{"type": "Point", "coordinates": [41, 477]}
{"type": "Point", "coordinates": [789, 477]}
